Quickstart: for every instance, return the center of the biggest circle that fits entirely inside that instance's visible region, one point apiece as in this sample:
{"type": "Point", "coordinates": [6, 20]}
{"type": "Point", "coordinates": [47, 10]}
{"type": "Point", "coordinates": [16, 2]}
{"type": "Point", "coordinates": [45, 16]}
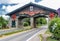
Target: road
{"type": "Point", "coordinates": [24, 36]}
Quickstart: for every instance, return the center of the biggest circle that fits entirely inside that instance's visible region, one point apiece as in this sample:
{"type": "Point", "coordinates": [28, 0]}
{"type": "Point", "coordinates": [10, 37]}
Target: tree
{"type": "Point", "coordinates": [41, 21]}
{"type": "Point", "coordinates": [3, 22]}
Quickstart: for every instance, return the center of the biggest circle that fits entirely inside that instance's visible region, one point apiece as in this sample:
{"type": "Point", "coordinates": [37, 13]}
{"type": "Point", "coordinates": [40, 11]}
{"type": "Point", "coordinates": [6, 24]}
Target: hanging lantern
{"type": "Point", "coordinates": [51, 15]}
{"type": "Point", "coordinates": [13, 16]}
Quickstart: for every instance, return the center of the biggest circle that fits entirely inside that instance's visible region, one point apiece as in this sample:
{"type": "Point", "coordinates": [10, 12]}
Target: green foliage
{"type": "Point", "coordinates": [48, 32]}
{"type": "Point", "coordinates": [25, 23]}
{"type": "Point", "coordinates": [54, 27]}
{"type": "Point", "coordinates": [41, 21]}
{"type": "Point", "coordinates": [3, 22]}
{"type": "Point", "coordinates": [50, 39]}
{"type": "Point", "coordinates": [41, 37]}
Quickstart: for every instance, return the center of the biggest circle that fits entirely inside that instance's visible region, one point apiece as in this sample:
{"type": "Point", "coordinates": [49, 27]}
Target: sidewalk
{"type": "Point", "coordinates": [3, 31]}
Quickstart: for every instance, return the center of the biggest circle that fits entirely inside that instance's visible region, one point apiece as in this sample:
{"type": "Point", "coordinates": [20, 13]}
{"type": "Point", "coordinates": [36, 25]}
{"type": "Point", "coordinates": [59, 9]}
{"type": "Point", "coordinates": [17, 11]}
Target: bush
{"type": "Point", "coordinates": [41, 21]}
{"type": "Point", "coordinates": [25, 23]}
{"type": "Point", "coordinates": [3, 22]}
{"type": "Point", "coordinates": [27, 20]}
{"type": "Point", "coordinates": [54, 27]}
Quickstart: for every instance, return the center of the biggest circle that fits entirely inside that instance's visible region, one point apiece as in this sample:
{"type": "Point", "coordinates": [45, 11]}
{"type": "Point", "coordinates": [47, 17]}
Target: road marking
{"type": "Point", "coordinates": [35, 34]}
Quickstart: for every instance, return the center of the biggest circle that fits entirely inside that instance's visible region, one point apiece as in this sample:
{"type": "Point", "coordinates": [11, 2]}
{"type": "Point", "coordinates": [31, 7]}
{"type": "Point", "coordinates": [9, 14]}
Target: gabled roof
{"type": "Point", "coordinates": [31, 4]}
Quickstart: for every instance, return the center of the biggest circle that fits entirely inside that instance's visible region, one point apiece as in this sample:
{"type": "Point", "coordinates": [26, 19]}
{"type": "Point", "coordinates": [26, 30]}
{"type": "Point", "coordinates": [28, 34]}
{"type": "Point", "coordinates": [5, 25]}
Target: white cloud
{"type": "Point", "coordinates": [54, 4]}
{"type": "Point", "coordinates": [20, 4]}
{"type": "Point", "coordinates": [19, 1]}
{"type": "Point", "coordinates": [4, 1]}
{"type": "Point", "coordinates": [5, 17]}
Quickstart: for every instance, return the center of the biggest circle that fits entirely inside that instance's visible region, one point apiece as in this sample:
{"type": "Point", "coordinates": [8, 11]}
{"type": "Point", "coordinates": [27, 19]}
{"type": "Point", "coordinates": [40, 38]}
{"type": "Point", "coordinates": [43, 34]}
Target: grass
{"type": "Point", "coordinates": [2, 28]}
{"type": "Point", "coordinates": [48, 32]}
{"type": "Point", "coordinates": [38, 26]}
{"type": "Point", "coordinates": [41, 38]}
{"type": "Point", "coordinates": [13, 32]}
{"type": "Point", "coordinates": [0, 35]}
{"type": "Point", "coordinates": [50, 39]}
{"type": "Point", "coordinates": [27, 27]}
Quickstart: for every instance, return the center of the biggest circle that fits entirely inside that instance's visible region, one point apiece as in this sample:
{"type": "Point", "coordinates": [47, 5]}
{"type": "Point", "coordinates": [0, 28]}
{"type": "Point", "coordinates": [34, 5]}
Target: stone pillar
{"type": "Point", "coordinates": [32, 22]}
{"type": "Point", "coordinates": [10, 22]}
{"type": "Point", "coordinates": [48, 19]}
{"type": "Point", "coordinates": [17, 22]}
{"type": "Point", "coordinates": [20, 23]}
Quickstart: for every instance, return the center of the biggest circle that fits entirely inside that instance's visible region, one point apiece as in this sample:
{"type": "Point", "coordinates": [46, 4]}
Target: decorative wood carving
{"type": "Point", "coordinates": [36, 10]}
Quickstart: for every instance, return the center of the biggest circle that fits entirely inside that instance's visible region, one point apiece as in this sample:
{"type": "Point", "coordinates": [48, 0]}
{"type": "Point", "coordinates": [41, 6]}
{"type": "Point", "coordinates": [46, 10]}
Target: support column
{"type": "Point", "coordinates": [10, 22]}
{"type": "Point", "coordinates": [35, 23]}
{"type": "Point", "coordinates": [17, 22]}
{"type": "Point", "coordinates": [32, 22]}
{"type": "Point", "coordinates": [20, 23]}
{"type": "Point", "coordinates": [48, 19]}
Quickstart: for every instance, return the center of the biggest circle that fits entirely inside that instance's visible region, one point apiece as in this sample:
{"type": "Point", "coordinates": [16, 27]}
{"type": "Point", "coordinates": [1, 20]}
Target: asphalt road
{"type": "Point", "coordinates": [24, 36]}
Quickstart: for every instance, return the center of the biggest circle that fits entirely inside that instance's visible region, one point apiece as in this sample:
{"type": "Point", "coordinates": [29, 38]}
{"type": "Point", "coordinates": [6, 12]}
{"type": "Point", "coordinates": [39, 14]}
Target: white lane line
{"type": "Point", "coordinates": [35, 34]}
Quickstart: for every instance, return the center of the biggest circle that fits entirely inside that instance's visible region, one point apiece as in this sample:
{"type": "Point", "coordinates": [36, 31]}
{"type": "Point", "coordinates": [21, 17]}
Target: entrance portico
{"type": "Point", "coordinates": [31, 11]}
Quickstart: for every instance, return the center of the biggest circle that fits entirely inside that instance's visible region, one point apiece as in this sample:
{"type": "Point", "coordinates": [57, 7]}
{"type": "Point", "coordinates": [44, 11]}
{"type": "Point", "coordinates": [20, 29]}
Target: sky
{"type": "Point", "coordinates": [54, 4]}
